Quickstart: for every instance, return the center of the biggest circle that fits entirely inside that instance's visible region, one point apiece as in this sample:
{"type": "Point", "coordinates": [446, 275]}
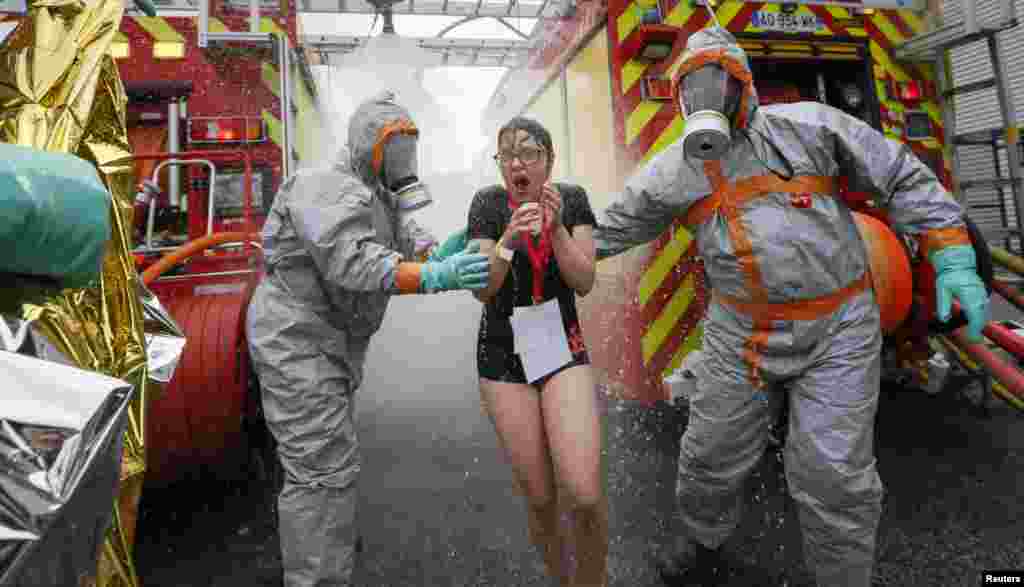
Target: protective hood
{"type": "Point", "coordinates": [369, 128]}
{"type": "Point", "coordinates": [717, 45]}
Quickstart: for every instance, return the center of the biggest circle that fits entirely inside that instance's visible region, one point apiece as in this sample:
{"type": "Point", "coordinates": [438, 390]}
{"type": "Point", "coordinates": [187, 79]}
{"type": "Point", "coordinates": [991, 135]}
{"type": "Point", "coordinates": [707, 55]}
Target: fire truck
{"type": "Point", "coordinates": [600, 80]}
{"type": "Point", "coordinates": [222, 106]}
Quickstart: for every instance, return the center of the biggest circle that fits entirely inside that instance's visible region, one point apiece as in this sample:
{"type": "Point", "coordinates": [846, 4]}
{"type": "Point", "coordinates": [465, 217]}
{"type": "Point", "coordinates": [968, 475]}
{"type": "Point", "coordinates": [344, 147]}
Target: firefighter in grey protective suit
{"type": "Point", "coordinates": [792, 307]}
{"type": "Point", "coordinates": [338, 243]}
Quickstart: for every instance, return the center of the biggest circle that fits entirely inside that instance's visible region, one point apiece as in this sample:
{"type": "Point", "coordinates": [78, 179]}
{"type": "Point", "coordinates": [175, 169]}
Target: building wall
{"type": "Point", "coordinates": [591, 127]}
{"type": "Point", "coordinates": [549, 109]}
{"type": "Point", "coordinates": [991, 208]}
{"type": "Point", "coordinates": [576, 107]}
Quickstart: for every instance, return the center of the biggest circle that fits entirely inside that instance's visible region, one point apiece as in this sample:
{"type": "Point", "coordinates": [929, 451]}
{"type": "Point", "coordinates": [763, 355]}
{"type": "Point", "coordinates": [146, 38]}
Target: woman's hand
{"type": "Point", "coordinates": [521, 220]}
{"type": "Point", "coordinates": [551, 200]}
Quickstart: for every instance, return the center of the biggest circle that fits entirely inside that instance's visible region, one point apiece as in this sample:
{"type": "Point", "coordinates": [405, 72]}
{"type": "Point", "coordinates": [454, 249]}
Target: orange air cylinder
{"type": "Point", "coordinates": [891, 277]}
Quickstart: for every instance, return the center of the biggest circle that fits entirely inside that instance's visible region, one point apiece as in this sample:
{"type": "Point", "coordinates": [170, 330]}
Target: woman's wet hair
{"type": "Point", "coordinates": [533, 128]}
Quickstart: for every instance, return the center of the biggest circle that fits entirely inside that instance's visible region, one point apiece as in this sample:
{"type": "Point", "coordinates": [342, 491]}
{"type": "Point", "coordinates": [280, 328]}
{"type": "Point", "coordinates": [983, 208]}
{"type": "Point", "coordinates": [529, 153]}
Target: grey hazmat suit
{"type": "Point", "coordinates": [334, 244]}
{"type": "Point", "coordinates": [791, 307]}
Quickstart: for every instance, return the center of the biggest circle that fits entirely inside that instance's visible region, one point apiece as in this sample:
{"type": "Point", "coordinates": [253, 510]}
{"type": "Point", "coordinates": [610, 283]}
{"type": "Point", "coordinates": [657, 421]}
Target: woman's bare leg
{"type": "Point", "coordinates": [575, 432]}
{"type": "Point", "coordinates": [515, 411]}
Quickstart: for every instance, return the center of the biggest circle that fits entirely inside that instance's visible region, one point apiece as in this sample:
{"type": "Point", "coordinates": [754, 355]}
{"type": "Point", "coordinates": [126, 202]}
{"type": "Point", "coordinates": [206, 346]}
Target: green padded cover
{"type": "Point", "coordinates": [54, 216]}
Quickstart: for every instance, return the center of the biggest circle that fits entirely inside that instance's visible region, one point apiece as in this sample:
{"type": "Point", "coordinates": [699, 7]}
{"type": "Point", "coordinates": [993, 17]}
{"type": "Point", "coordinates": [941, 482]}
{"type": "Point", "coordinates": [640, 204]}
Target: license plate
{"type": "Point", "coordinates": [787, 23]}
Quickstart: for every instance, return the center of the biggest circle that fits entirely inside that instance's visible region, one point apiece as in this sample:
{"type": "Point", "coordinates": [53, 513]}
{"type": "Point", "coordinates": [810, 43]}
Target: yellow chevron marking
{"type": "Point", "coordinates": [632, 71]}
{"type": "Point", "coordinates": [660, 328]}
{"type": "Point", "coordinates": [638, 119]}
{"type": "Point", "coordinates": [933, 112]}
{"type": "Point", "coordinates": [895, 37]}
{"type": "Point", "coordinates": [167, 42]}
{"type": "Point", "coordinates": [680, 14]}
{"type": "Point", "coordinates": [271, 78]}
{"type": "Point", "coordinates": [888, 29]}
{"type": "Point", "coordinates": [274, 130]}
{"type": "Point", "coordinates": [120, 47]}
{"type": "Point", "coordinates": [882, 58]}
{"type": "Point", "coordinates": [217, 26]}
{"type": "Point", "coordinates": [663, 264]}
{"type": "Point", "coordinates": [628, 20]}
{"type": "Point", "coordinates": [269, 25]}
{"type": "Point", "coordinates": [690, 344]}
{"type": "Point", "coordinates": [728, 11]}
{"type": "Point", "coordinates": [668, 136]}
{"type": "Point", "coordinates": [159, 29]}
{"type": "Point", "coordinates": [837, 11]}
{"type": "Point", "coordinates": [915, 23]}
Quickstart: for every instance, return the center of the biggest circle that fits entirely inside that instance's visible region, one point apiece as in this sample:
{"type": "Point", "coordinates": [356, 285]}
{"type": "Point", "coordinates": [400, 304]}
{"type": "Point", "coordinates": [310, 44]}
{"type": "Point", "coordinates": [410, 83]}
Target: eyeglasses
{"type": "Point", "coordinates": [528, 156]}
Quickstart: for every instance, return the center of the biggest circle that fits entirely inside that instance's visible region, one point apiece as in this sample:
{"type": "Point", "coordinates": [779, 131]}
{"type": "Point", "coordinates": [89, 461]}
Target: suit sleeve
{"type": "Point", "coordinates": [338, 234]}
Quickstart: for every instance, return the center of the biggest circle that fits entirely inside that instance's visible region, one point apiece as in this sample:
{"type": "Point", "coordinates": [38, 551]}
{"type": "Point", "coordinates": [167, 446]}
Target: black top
{"type": "Point", "coordinates": [489, 215]}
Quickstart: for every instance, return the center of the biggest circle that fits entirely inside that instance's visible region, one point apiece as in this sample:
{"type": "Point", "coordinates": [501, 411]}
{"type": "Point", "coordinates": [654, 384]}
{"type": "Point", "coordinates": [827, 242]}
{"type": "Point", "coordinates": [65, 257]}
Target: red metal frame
{"type": "Point", "coordinates": [194, 228]}
{"type": "Point", "coordinates": [196, 421]}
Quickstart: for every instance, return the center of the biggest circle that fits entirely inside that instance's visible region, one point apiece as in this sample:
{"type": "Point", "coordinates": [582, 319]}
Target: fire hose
{"type": "Point", "coordinates": [1010, 377]}
{"type": "Point", "coordinates": [191, 248]}
{"type": "Point", "coordinates": [1007, 260]}
{"type": "Point", "coordinates": [998, 388]}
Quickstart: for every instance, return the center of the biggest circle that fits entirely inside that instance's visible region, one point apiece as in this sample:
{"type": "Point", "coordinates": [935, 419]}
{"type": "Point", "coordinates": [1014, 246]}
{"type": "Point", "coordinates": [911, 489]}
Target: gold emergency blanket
{"type": "Point", "coordinates": [60, 91]}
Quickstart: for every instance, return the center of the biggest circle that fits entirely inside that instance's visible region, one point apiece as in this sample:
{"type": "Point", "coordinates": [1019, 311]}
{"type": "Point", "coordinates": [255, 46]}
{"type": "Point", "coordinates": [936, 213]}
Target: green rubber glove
{"type": "Point", "coordinates": [453, 244]}
{"type": "Point", "coordinates": [956, 273]}
{"type": "Point", "coordinates": [467, 269]}
{"type": "Point", "coordinates": [146, 6]}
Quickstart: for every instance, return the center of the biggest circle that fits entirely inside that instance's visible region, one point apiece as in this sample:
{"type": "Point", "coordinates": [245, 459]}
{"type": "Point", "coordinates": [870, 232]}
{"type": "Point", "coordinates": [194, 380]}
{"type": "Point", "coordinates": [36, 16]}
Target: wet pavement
{"type": "Point", "coordinates": [438, 507]}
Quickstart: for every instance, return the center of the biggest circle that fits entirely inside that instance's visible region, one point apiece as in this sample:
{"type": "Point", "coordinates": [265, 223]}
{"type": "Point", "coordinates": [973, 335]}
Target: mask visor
{"type": "Point", "coordinates": [710, 88]}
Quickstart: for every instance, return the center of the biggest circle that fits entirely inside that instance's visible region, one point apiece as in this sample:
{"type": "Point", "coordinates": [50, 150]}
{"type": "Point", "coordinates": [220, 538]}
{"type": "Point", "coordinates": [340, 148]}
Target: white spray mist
{"type": "Point", "coordinates": [450, 154]}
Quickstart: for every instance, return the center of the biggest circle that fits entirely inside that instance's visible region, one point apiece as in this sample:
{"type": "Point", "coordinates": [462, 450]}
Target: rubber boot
{"type": "Point", "coordinates": [685, 562]}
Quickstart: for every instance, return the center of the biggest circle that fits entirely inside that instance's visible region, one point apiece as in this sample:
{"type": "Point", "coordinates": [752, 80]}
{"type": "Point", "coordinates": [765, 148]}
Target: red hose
{"type": "Point", "coordinates": [1008, 293]}
{"type": "Point", "coordinates": [1005, 338]}
{"type": "Point", "coordinates": [1008, 375]}
{"type": "Point", "coordinates": [191, 248]}
{"type": "Point", "coordinates": [1001, 335]}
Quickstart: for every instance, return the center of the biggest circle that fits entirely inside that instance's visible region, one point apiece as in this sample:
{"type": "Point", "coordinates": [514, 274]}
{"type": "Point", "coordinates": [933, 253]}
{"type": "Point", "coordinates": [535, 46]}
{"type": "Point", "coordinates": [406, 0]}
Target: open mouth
{"type": "Point", "coordinates": [521, 183]}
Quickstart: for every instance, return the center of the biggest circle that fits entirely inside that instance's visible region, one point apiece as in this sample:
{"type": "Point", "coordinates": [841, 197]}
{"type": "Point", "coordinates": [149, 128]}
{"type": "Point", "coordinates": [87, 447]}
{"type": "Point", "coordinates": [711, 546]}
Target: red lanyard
{"type": "Point", "coordinates": [539, 254]}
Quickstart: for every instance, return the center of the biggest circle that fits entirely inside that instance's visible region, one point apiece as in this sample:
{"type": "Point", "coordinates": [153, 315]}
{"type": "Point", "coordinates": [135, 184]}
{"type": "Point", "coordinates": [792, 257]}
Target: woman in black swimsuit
{"type": "Point", "coordinates": [550, 428]}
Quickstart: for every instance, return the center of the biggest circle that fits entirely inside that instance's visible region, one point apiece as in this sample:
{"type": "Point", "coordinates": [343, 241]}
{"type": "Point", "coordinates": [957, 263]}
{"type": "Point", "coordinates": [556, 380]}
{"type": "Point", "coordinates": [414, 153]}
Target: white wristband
{"type": "Point", "coordinates": [504, 252]}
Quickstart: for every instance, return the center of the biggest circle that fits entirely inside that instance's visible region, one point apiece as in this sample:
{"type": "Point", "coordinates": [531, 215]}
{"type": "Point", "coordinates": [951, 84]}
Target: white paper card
{"type": "Point", "coordinates": [540, 339]}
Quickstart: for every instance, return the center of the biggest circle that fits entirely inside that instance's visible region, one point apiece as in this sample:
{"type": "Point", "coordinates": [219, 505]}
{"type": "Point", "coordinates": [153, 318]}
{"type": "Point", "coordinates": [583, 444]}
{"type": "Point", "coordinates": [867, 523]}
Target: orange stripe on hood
{"type": "Point", "coordinates": [397, 126]}
{"type": "Point", "coordinates": [730, 64]}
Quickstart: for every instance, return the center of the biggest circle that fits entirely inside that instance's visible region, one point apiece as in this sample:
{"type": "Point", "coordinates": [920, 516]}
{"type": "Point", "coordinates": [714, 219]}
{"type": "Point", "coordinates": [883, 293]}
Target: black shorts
{"type": "Point", "coordinates": [496, 361]}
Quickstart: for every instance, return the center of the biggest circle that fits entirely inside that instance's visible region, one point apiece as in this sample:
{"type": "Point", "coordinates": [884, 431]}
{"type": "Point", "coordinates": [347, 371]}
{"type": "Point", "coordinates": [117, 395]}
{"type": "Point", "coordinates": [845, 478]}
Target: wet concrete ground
{"type": "Point", "coordinates": [438, 506]}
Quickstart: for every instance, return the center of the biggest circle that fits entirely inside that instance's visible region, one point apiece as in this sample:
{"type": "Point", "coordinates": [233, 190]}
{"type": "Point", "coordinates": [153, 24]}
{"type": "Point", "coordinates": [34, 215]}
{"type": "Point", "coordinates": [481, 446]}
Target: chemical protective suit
{"type": "Point", "coordinates": [335, 245]}
{"type": "Point", "coordinates": [792, 307]}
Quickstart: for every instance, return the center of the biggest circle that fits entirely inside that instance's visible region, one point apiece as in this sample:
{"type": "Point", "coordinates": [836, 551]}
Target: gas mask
{"type": "Point", "coordinates": [399, 173]}
{"type": "Point", "coordinates": [709, 99]}
{"type": "Point", "coordinates": [409, 194]}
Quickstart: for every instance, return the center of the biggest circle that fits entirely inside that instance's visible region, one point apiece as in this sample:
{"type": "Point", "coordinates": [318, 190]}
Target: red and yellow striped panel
{"type": "Point", "coordinates": [886, 29]}
{"type": "Point", "coordinates": [162, 35]}
{"type": "Point", "coordinates": [671, 292]}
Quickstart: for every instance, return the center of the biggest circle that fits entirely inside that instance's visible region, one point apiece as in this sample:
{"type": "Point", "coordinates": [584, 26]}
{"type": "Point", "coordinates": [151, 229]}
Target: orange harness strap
{"type": "Point", "coordinates": [733, 195]}
{"type": "Point", "coordinates": [811, 309]}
